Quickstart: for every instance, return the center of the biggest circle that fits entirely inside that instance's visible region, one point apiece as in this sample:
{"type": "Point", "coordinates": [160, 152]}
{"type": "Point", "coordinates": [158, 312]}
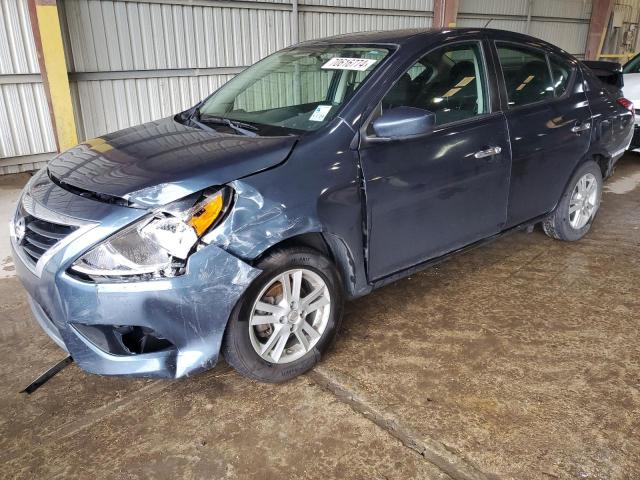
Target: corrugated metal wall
{"type": "Point", "coordinates": [137, 60]}
{"type": "Point", "coordinates": [622, 35]}
{"type": "Point", "coordinates": [26, 133]}
{"type": "Point", "coordinates": [322, 18]}
{"type": "Point", "coordinates": [562, 22]}
{"type": "Point", "coordinates": [157, 59]}
{"type": "Point", "coordinates": [131, 61]}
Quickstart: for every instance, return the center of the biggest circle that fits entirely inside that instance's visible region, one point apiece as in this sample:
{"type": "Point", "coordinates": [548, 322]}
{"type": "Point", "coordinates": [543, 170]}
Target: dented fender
{"type": "Point", "coordinates": [301, 197]}
{"type": "Point", "coordinates": [256, 223]}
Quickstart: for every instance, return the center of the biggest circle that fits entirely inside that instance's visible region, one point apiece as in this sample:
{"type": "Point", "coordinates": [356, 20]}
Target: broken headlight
{"type": "Point", "coordinates": [158, 245]}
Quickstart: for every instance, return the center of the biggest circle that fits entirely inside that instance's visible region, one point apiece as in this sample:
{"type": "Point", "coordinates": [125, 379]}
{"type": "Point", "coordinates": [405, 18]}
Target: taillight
{"type": "Point", "coordinates": [626, 103]}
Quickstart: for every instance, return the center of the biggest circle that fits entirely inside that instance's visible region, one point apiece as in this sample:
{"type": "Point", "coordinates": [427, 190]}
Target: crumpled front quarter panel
{"type": "Point", "coordinates": [256, 223]}
{"type": "Point", "coordinates": [317, 190]}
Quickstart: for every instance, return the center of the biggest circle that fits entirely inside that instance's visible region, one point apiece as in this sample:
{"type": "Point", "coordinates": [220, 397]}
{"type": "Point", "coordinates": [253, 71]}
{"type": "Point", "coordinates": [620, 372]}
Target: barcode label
{"type": "Point", "coordinates": [339, 63]}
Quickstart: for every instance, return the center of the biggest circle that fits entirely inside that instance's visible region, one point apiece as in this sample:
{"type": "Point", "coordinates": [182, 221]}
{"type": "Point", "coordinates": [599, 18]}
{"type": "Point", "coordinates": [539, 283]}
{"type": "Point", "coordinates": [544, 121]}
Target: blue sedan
{"type": "Point", "coordinates": [324, 171]}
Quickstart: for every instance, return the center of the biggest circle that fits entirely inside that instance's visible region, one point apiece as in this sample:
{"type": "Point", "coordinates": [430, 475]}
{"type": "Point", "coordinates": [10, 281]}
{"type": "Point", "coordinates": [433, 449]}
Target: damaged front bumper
{"type": "Point", "coordinates": [170, 327]}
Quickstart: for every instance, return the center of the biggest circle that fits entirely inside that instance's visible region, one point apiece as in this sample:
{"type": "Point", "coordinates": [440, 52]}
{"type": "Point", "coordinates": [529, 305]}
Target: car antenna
{"type": "Point", "coordinates": [488, 22]}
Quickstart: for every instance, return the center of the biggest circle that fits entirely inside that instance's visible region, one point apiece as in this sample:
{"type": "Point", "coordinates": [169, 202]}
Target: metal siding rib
{"type": "Point", "coordinates": [17, 47]}
{"type": "Point", "coordinates": [564, 23]}
{"type": "Point", "coordinates": [565, 9]}
{"type": "Point", "coordinates": [571, 37]}
{"type": "Point", "coordinates": [493, 7]}
{"type": "Point", "coordinates": [322, 24]}
{"type": "Point", "coordinates": [27, 129]}
{"type": "Point", "coordinates": [111, 36]}
{"type": "Point", "coordinates": [25, 124]}
{"type": "Point", "coordinates": [417, 5]}
{"type": "Point", "coordinates": [140, 100]}
{"type": "Point", "coordinates": [501, 24]}
{"type": "Point", "coordinates": [130, 35]}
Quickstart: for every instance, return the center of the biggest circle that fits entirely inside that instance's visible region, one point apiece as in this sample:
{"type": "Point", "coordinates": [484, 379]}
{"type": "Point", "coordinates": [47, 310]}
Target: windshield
{"type": "Point", "coordinates": [300, 89]}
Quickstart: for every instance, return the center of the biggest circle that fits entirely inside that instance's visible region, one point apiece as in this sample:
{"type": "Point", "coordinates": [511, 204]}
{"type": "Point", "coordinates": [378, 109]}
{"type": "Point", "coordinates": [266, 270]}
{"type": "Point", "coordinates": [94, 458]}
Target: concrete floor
{"type": "Point", "coordinates": [516, 360]}
{"type": "Point", "coordinates": [10, 186]}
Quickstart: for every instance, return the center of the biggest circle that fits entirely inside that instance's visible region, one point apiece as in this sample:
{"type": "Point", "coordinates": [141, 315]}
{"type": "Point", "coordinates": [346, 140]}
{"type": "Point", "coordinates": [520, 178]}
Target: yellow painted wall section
{"type": "Point", "coordinates": [57, 77]}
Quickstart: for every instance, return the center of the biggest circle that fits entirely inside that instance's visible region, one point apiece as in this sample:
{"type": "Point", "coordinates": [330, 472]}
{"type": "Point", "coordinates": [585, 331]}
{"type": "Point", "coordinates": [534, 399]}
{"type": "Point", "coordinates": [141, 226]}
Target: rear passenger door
{"type": "Point", "coordinates": [549, 124]}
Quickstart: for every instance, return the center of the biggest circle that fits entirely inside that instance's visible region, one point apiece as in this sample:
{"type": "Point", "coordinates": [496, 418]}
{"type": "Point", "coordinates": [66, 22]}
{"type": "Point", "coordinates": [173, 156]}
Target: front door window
{"type": "Point", "coordinates": [447, 81]}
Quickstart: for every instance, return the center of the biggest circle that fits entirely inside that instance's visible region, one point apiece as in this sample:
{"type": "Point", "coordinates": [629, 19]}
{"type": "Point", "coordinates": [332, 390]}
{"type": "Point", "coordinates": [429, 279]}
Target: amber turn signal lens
{"type": "Point", "coordinates": [203, 218]}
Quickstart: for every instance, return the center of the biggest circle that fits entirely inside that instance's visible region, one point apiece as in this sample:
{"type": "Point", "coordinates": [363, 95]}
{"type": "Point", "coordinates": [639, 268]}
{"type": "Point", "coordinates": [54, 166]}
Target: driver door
{"type": "Point", "coordinates": [437, 193]}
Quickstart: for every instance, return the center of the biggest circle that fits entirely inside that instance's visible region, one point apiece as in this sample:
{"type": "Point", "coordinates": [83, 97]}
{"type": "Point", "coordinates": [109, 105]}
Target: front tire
{"type": "Point", "coordinates": [287, 318]}
{"type": "Point", "coordinates": [572, 218]}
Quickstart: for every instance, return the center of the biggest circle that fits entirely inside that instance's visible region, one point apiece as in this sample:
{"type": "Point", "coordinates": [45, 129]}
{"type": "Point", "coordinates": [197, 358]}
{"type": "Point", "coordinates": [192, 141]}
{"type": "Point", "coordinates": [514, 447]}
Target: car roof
{"type": "Point", "coordinates": [426, 35]}
{"type": "Point", "coordinates": [380, 36]}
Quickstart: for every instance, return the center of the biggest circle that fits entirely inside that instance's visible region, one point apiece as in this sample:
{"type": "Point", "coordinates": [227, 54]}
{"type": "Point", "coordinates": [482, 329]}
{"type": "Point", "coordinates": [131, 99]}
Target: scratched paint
{"type": "Point", "coordinates": [255, 223]}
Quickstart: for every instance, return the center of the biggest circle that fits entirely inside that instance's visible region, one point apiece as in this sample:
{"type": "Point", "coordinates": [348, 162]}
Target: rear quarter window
{"type": "Point", "coordinates": [562, 73]}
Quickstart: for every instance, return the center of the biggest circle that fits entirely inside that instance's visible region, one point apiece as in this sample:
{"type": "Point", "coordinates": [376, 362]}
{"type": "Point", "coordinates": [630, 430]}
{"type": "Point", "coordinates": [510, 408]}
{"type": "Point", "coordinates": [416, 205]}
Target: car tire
{"type": "Point", "coordinates": [574, 214]}
{"type": "Point", "coordinates": [248, 346]}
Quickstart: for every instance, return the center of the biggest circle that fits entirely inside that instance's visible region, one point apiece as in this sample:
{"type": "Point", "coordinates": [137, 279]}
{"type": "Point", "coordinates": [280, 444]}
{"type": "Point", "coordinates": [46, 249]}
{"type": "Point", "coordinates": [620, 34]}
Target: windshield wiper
{"type": "Point", "coordinates": [240, 127]}
{"type": "Point", "coordinates": [204, 121]}
{"type": "Point", "coordinates": [193, 120]}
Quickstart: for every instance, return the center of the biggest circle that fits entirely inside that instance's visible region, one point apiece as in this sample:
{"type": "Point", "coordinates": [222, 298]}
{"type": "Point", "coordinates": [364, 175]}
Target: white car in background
{"type": "Point", "coordinates": [624, 83]}
{"type": "Point", "coordinates": [631, 89]}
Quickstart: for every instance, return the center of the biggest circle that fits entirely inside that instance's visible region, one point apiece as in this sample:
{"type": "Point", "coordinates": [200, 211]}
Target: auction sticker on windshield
{"type": "Point", "coordinates": [339, 63]}
{"type": "Point", "coordinates": [319, 113]}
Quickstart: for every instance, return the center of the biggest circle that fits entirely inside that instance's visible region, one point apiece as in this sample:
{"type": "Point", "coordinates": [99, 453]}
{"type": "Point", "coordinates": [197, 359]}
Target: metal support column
{"type": "Point", "coordinates": [53, 66]}
{"type": "Point", "coordinates": [445, 13]}
{"type": "Point", "coordinates": [600, 14]}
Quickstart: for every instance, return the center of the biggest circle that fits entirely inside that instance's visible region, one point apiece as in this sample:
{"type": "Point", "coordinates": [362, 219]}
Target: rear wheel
{"type": "Point", "coordinates": [287, 318]}
{"type": "Point", "coordinates": [572, 218]}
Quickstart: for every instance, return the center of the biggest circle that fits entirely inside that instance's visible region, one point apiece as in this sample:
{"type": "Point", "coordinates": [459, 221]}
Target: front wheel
{"type": "Point", "coordinates": [287, 318]}
{"type": "Point", "coordinates": [572, 218]}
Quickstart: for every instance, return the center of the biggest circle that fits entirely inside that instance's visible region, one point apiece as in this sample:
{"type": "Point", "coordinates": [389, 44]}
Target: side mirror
{"type": "Point", "coordinates": [403, 122]}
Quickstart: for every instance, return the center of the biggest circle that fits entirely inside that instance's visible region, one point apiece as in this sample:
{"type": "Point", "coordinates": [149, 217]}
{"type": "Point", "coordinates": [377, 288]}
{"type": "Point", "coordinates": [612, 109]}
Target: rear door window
{"type": "Point", "coordinates": [526, 74]}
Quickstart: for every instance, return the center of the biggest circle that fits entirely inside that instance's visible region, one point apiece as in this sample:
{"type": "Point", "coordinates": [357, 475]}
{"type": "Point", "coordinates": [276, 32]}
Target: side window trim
{"type": "Point", "coordinates": [572, 75]}
{"type": "Point", "coordinates": [496, 93]}
{"type": "Point", "coordinates": [487, 94]}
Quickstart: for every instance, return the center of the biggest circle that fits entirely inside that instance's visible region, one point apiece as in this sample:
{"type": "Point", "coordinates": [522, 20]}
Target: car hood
{"type": "Point", "coordinates": [158, 162]}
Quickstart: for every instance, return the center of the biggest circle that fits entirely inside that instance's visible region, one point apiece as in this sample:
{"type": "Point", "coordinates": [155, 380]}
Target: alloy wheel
{"type": "Point", "coordinates": [289, 315]}
{"type": "Point", "coordinates": [582, 205]}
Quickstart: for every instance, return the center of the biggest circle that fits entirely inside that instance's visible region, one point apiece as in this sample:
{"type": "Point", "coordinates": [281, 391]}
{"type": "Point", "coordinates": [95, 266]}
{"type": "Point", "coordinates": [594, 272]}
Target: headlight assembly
{"type": "Point", "coordinates": [158, 245]}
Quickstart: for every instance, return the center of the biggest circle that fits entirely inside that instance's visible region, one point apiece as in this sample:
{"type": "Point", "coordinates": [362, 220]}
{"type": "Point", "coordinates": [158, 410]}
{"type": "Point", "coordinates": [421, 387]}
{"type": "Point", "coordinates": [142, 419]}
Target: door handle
{"type": "Point", "coordinates": [489, 152]}
{"type": "Point", "coordinates": [581, 127]}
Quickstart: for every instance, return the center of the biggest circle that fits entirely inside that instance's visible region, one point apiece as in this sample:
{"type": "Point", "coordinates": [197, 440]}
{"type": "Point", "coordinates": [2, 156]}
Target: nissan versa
{"type": "Point", "coordinates": [322, 172]}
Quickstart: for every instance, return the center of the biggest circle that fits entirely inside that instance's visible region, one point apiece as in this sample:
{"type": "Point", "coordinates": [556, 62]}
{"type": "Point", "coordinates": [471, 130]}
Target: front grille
{"type": "Point", "coordinates": [40, 235]}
